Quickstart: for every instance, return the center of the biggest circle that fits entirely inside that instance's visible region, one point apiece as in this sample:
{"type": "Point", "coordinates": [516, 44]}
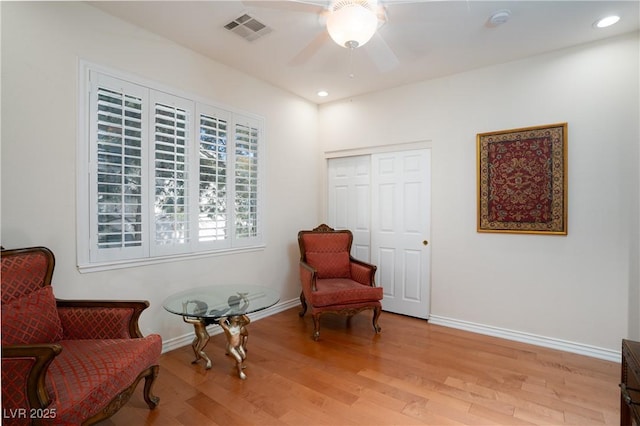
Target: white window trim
{"type": "Point", "coordinates": [83, 185]}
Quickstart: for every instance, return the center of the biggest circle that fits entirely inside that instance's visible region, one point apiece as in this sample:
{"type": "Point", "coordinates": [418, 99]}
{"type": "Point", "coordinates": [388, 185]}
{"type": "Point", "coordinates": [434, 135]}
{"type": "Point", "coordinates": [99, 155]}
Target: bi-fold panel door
{"type": "Point", "coordinates": [350, 201]}
{"type": "Point", "coordinates": [384, 199]}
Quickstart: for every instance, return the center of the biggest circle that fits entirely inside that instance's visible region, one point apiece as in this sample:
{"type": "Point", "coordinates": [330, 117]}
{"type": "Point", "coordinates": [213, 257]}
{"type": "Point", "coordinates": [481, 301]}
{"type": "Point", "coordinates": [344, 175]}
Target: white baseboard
{"type": "Point", "coordinates": [186, 339]}
{"type": "Point", "coordinates": [519, 336]}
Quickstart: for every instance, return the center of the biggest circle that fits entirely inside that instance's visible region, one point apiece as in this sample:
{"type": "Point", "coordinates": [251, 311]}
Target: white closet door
{"type": "Point", "coordinates": [349, 201]}
{"type": "Point", "coordinates": [385, 200]}
{"type": "Point", "coordinates": [400, 229]}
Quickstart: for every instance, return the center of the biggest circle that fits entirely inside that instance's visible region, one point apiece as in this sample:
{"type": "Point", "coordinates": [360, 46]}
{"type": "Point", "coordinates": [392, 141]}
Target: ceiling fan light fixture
{"type": "Point", "coordinates": [352, 23]}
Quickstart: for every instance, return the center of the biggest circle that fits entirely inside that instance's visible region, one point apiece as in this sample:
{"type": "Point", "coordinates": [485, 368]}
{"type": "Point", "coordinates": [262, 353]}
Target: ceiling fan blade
{"type": "Point", "coordinates": [316, 7]}
{"type": "Point", "coordinates": [310, 49]}
{"type": "Point", "coordinates": [381, 54]}
{"type": "Point", "coordinates": [323, 3]}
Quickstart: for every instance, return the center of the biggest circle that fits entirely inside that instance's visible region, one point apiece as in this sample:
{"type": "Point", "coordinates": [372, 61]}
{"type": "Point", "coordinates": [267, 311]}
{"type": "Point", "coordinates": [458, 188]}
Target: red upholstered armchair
{"type": "Point", "coordinates": [67, 362]}
{"type": "Point", "coordinates": [332, 280]}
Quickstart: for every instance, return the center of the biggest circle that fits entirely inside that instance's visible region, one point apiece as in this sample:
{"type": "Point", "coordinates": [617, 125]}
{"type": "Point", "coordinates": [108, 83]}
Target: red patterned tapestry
{"type": "Point", "coordinates": [522, 181]}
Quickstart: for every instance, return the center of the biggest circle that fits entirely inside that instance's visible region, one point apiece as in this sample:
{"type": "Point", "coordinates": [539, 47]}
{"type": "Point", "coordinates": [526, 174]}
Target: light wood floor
{"type": "Point", "coordinates": [413, 373]}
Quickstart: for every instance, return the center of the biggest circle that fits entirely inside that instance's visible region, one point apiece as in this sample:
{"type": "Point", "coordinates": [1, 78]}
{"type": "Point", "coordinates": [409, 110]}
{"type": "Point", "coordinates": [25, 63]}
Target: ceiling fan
{"type": "Point", "coordinates": [349, 23]}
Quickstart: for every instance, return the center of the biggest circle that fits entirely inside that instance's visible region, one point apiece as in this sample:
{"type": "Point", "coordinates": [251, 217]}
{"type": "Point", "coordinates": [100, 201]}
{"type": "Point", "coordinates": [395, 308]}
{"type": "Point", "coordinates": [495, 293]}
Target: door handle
{"type": "Point", "coordinates": [425, 242]}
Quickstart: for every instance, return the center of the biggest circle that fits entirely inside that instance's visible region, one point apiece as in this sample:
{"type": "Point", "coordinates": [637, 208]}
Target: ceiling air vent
{"type": "Point", "coordinates": [248, 27]}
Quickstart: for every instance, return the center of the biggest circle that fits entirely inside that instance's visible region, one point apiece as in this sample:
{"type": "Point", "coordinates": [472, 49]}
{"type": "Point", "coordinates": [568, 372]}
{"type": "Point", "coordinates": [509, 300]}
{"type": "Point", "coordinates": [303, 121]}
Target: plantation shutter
{"type": "Point", "coordinates": [117, 135]}
{"type": "Point", "coordinates": [213, 214]}
{"type": "Point", "coordinates": [171, 139]}
{"type": "Point", "coordinates": [246, 172]}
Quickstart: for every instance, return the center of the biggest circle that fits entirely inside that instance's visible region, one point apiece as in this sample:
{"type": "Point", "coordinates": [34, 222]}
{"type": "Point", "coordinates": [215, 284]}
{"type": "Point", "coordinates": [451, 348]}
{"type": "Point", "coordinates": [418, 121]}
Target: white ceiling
{"type": "Point", "coordinates": [420, 40]}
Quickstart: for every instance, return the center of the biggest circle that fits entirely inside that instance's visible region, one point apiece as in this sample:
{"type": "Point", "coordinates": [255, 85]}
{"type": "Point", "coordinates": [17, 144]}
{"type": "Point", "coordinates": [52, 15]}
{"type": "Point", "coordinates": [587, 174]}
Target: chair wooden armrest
{"type": "Point", "coordinates": [363, 272]}
{"type": "Point", "coordinates": [101, 319]}
{"type": "Point", "coordinates": [25, 367]}
{"type": "Point", "coordinates": [308, 276]}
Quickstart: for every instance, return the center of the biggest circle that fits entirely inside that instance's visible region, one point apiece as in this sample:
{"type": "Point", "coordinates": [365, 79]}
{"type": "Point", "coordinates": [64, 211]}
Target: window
{"type": "Point", "coordinates": [169, 175]}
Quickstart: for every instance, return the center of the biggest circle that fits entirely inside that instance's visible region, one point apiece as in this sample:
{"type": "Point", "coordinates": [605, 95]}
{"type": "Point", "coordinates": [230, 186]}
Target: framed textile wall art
{"type": "Point", "coordinates": [522, 180]}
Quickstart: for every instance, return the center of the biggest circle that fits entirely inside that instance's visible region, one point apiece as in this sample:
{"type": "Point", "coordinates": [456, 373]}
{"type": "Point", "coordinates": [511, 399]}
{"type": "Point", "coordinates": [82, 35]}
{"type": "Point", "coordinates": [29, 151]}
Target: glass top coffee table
{"type": "Point", "coordinates": [226, 306]}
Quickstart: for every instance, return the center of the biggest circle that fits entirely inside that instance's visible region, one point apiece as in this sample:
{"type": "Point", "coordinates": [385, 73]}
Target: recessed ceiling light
{"type": "Point", "coordinates": [323, 93]}
{"type": "Point", "coordinates": [499, 17]}
{"type": "Point", "coordinates": [606, 21]}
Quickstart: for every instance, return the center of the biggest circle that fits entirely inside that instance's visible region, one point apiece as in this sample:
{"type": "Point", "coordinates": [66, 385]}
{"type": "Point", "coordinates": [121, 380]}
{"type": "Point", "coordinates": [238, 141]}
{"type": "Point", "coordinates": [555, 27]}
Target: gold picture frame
{"type": "Point", "coordinates": [522, 180]}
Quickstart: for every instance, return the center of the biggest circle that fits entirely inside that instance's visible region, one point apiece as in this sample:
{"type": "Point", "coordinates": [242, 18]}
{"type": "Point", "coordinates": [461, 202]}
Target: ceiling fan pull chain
{"type": "Point", "coordinates": [351, 49]}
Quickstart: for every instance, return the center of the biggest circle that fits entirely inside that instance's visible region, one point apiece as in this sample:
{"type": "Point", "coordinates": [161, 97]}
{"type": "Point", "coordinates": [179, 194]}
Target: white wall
{"type": "Point", "coordinates": [572, 288]}
{"type": "Point", "coordinates": [41, 46]}
{"type": "Point", "coordinates": [634, 256]}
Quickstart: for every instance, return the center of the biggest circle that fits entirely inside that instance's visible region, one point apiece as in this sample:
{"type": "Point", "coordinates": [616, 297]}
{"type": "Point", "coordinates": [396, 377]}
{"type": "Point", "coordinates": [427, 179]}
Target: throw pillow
{"type": "Point", "coordinates": [31, 319]}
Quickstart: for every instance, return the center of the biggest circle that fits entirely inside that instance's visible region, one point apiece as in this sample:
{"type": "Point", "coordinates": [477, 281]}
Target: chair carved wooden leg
{"type": "Point", "coordinates": [376, 315]}
{"type": "Point", "coordinates": [151, 400]}
{"type": "Point", "coordinates": [303, 301]}
{"type": "Point", "coordinates": [316, 327]}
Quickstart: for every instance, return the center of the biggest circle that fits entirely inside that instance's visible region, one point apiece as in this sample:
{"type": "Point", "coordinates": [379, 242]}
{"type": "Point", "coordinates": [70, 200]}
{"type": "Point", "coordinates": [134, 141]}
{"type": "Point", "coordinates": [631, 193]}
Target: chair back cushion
{"type": "Point", "coordinates": [29, 313]}
{"type": "Point", "coordinates": [31, 319]}
{"type": "Point", "coordinates": [327, 253]}
{"type": "Point", "coordinates": [25, 271]}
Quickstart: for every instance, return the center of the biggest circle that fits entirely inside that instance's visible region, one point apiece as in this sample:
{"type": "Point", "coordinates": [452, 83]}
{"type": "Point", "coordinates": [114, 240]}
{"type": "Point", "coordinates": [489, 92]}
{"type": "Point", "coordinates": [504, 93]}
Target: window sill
{"type": "Point", "coordinates": [121, 264]}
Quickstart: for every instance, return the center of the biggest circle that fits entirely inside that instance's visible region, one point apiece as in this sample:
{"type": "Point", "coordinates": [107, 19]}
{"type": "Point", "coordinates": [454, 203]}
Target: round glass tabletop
{"type": "Point", "coordinates": [221, 301]}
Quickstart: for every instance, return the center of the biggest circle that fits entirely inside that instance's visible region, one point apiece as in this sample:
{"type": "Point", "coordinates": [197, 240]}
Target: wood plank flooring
{"type": "Point", "coordinates": [413, 373]}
